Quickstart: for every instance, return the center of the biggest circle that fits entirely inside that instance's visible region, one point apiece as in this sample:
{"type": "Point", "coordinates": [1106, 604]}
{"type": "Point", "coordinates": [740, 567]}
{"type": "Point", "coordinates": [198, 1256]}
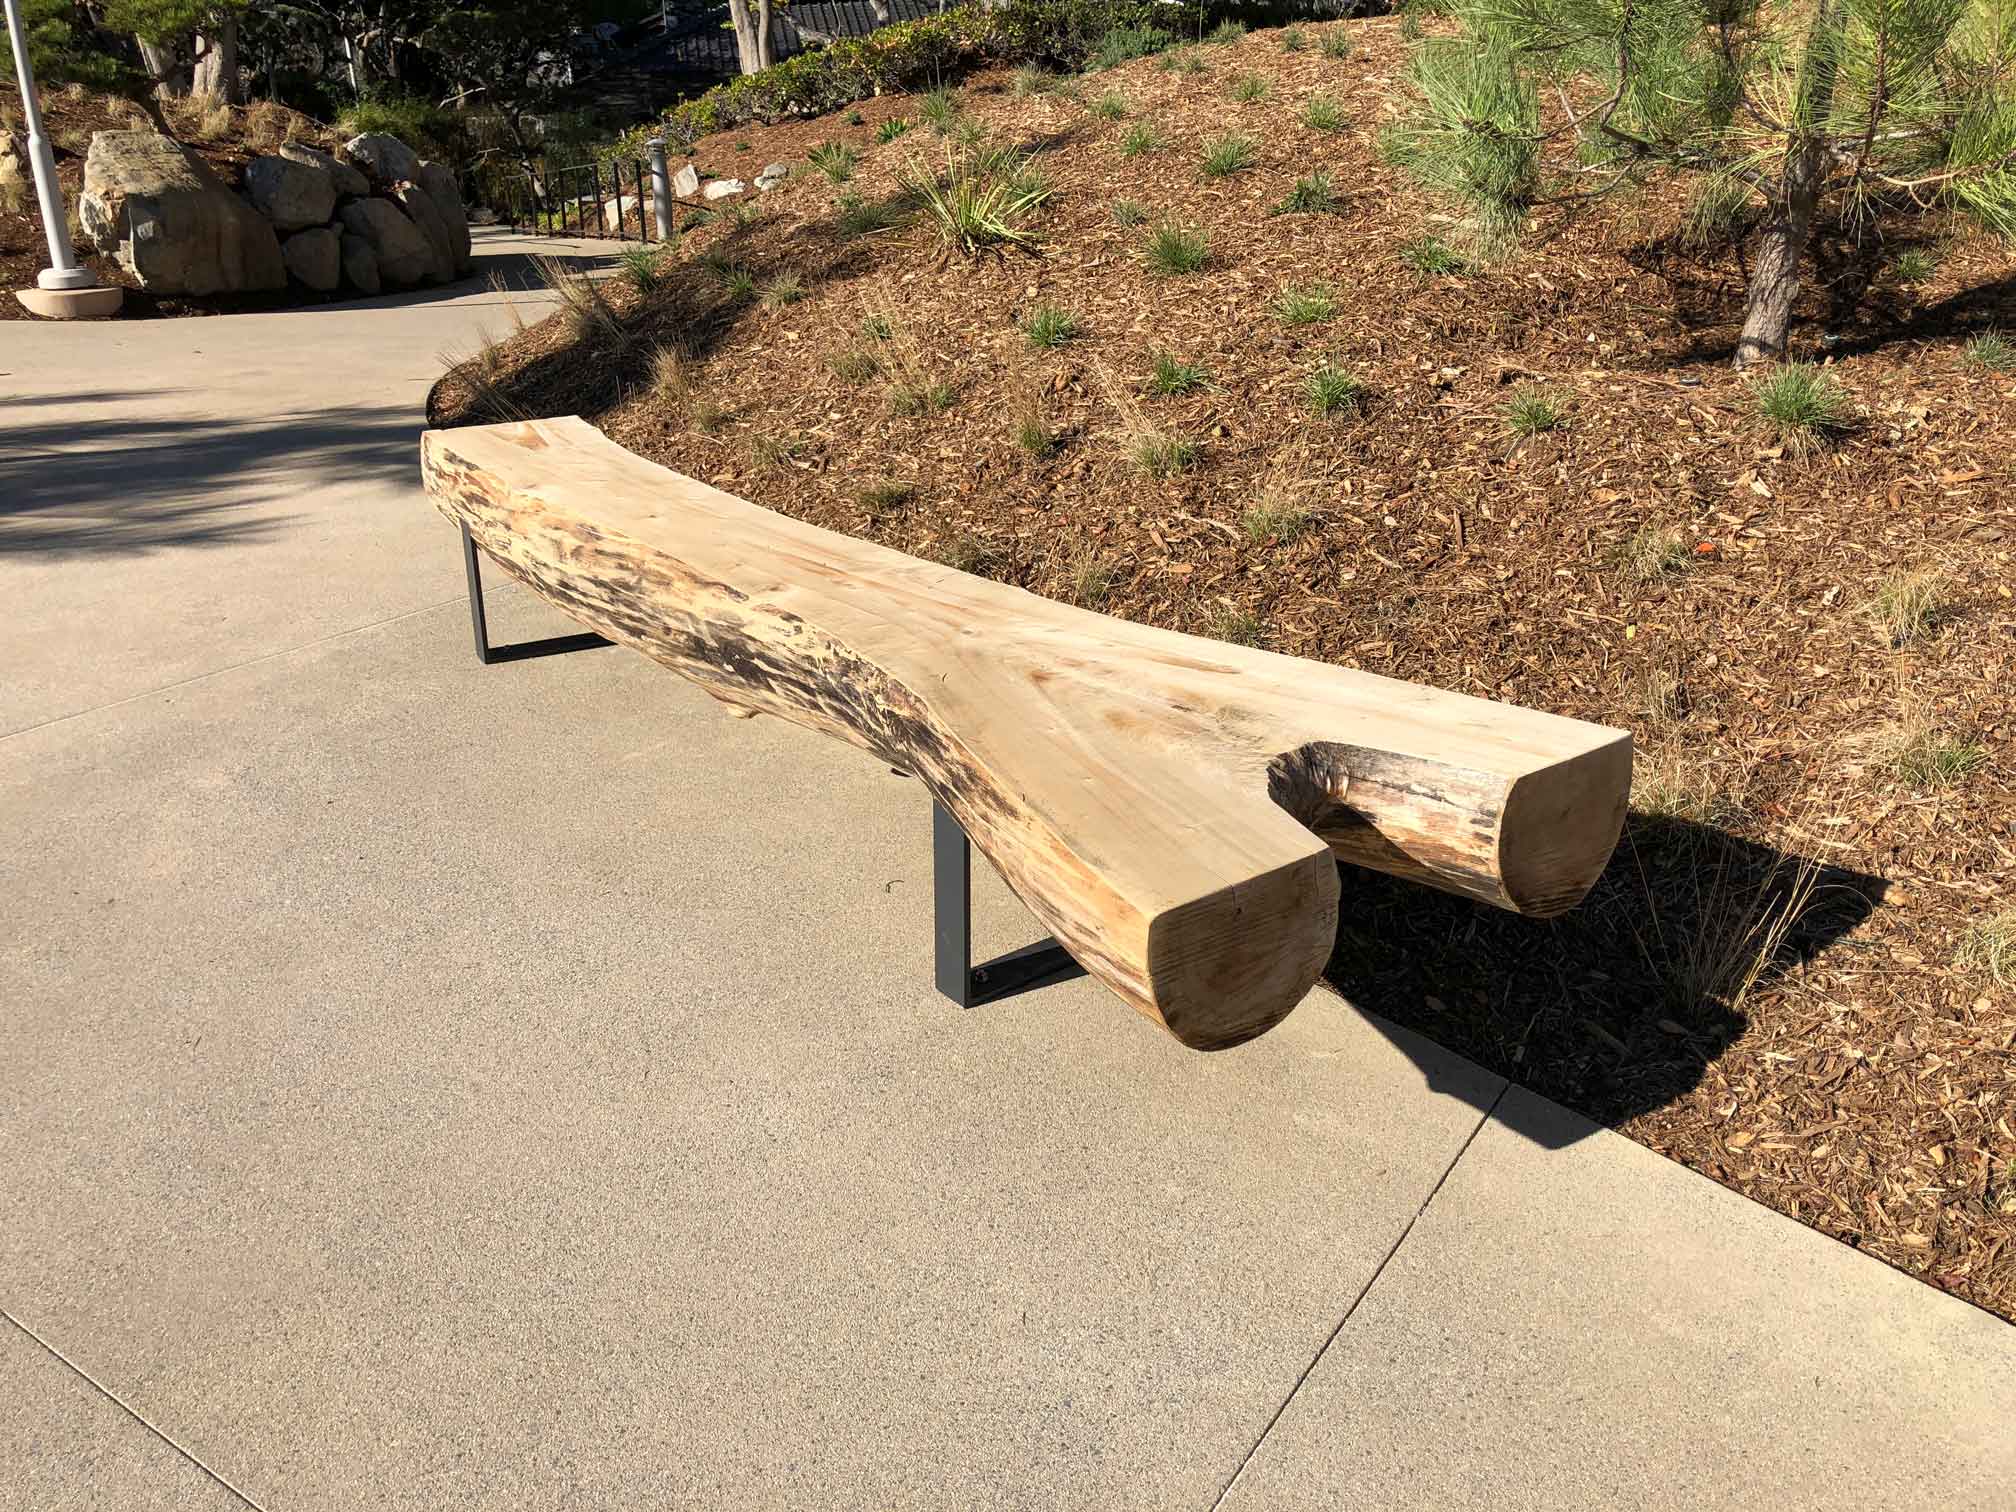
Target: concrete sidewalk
{"type": "Point", "coordinates": [435, 1086]}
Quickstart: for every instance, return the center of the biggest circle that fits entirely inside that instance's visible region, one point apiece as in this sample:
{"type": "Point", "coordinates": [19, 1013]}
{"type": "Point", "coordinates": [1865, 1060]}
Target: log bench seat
{"type": "Point", "coordinates": [1171, 808]}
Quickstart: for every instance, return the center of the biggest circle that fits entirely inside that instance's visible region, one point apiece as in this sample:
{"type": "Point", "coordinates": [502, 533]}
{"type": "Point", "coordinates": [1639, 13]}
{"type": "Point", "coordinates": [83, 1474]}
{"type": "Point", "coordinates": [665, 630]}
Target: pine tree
{"type": "Point", "coordinates": [1800, 109]}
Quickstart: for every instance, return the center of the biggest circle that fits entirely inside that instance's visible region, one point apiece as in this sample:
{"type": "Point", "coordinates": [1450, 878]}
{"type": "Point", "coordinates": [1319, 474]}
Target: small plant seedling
{"type": "Point", "coordinates": [1312, 195]}
{"type": "Point", "coordinates": [1991, 352]}
{"type": "Point", "coordinates": [1049, 327]}
{"type": "Point", "coordinates": [1176, 248]}
{"type": "Point", "coordinates": [834, 159]}
{"type": "Point", "coordinates": [1429, 256]}
{"type": "Point", "coordinates": [877, 327]}
{"type": "Point", "coordinates": [1304, 304]}
{"type": "Point", "coordinates": [1331, 389]}
{"type": "Point", "coordinates": [1321, 112]}
{"type": "Point", "coordinates": [1910, 606]}
{"type": "Point", "coordinates": [1127, 212]}
{"type": "Point", "coordinates": [1141, 137]}
{"type": "Point", "coordinates": [892, 128]}
{"type": "Point", "coordinates": [1228, 154]}
{"type": "Point", "coordinates": [1110, 106]}
{"type": "Point", "coordinates": [1091, 579]}
{"type": "Point", "coordinates": [1033, 433]}
{"type": "Point", "coordinates": [775, 451]}
{"type": "Point", "coordinates": [1805, 406]}
{"type": "Point", "coordinates": [855, 118]}
{"type": "Point", "coordinates": [1238, 627]}
{"type": "Point", "coordinates": [1249, 89]}
{"type": "Point", "coordinates": [1531, 411]}
{"type": "Point", "coordinates": [1168, 374]}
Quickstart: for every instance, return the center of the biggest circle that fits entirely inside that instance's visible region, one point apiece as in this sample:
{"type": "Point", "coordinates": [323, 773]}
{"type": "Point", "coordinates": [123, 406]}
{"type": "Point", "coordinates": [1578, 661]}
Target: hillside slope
{"type": "Point", "coordinates": [1538, 483]}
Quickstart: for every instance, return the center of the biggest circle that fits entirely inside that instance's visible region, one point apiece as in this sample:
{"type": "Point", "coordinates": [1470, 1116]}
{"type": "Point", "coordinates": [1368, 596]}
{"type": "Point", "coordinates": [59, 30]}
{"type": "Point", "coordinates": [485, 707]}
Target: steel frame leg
{"type": "Point", "coordinates": [969, 986]}
{"type": "Point", "coordinates": [553, 645]}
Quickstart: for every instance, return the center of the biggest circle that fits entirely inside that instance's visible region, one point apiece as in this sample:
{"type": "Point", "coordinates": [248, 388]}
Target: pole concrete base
{"type": "Point", "coordinates": [72, 304]}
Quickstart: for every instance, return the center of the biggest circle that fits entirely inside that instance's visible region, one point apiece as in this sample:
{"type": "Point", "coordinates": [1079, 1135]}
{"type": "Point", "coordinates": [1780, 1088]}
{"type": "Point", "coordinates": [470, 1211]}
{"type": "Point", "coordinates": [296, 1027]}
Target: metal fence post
{"type": "Point", "coordinates": [661, 189]}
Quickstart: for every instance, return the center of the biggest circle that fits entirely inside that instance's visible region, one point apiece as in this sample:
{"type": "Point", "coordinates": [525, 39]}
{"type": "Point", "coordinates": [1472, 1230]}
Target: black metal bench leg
{"type": "Point", "coordinates": [969, 986]}
{"type": "Point", "coordinates": [486, 653]}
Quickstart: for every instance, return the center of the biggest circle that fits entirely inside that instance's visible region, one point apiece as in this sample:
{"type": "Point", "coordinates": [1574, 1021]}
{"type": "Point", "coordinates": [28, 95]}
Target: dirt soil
{"type": "Point", "coordinates": [1779, 980]}
{"type": "Point", "coordinates": [226, 139]}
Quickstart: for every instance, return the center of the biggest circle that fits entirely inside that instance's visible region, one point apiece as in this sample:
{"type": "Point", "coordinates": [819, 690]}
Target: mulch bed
{"type": "Point", "coordinates": [1769, 983]}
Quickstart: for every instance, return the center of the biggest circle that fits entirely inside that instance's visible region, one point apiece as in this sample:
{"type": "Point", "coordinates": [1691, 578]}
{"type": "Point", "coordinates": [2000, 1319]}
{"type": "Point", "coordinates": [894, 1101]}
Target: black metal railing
{"type": "Point", "coordinates": [610, 198]}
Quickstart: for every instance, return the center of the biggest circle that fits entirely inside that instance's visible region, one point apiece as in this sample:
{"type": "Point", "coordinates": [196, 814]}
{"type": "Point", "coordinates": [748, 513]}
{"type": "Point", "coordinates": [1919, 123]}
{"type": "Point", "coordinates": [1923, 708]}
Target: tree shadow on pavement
{"type": "Point", "coordinates": [1618, 1007]}
{"type": "Point", "coordinates": [122, 486]}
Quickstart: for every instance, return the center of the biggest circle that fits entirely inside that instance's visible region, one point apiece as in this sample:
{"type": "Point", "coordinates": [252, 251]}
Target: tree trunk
{"type": "Point", "coordinates": [763, 36]}
{"type": "Point", "coordinates": [1774, 280]}
{"type": "Point", "coordinates": [165, 66]}
{"type": "Point", "coordinates": [748, 48]}
{"type": "Point", "coordinates": [1171, 808]}
{"type": "Point", "coordinates": [217, 65]}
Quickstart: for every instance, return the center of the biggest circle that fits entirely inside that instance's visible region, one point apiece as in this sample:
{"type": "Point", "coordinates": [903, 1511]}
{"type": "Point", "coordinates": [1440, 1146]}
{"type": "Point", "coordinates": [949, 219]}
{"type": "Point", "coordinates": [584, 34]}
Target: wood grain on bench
{"type": "Point", "coordinates": [1170, 807]}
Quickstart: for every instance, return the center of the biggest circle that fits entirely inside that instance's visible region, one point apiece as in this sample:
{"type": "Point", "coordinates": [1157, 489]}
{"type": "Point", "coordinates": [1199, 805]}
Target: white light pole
{"type": "Point", "coordinates": [65, 289]}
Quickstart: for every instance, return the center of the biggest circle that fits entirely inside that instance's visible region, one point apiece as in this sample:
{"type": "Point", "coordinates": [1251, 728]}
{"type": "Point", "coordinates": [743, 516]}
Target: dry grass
{"type": "Point", "coordinates": [1910, 606]}
{"type": "Point", "coordinates": [583, 306]}
{"type": "Point", "coordinates": [1914, 749]}
{"type": "Point", "coordinates": [1652, 552]}
{"type": "Point", "coordinates": [1989, 947]}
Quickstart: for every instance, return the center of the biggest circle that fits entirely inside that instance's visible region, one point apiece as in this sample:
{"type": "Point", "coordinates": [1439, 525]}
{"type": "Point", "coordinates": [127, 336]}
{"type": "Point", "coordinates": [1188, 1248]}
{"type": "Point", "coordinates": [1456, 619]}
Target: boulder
{"type": "Point", "coordinates": [438, 179]}
{"type": "Point", "coordinates": [718, 189]}
{"type": "Point", "coordinates": [421, 210]}
{"type": "Point", "coordinates": [614, 211]}
{"type": "Point", "coordinates": [291, 195]}
{"type": "Point", "coordinates": [385, 158]}
{"type": "Point", "coordinates": [402, 251]}
{"type": "Point", "coordinates": [686, 181]}
{"type": "Point", "coordinates": [772, 175]}
{"type": "Point", "coordinates": [349, 182]}
{"type": "Point", "coordinates": [360, 264]}
{"type": "Point", "coordinates": [171, 221]}
{"type": "Point", "coordinates": [315, 257]}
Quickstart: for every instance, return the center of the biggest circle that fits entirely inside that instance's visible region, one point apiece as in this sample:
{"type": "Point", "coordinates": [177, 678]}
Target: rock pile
{"type": "Point", "coordinates": [379, 216]}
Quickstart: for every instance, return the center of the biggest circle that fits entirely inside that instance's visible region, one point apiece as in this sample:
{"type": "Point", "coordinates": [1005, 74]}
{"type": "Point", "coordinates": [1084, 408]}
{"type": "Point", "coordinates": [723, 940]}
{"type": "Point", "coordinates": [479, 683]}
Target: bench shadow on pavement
{"type": "Point", "coordinates": [1617, 1008]}
{"type": "Point", "coordinates": [123, 486]}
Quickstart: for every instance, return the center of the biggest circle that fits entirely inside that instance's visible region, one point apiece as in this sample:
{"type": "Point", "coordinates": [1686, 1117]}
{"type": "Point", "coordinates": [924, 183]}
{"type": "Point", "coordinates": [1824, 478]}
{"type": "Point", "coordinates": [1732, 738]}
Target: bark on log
{"type": "Point", "coordinates": [1170, 808]}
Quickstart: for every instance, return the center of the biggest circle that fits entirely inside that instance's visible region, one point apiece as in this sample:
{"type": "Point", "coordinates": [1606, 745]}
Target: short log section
{"type": "Point", "coordinates": [1171, 808]}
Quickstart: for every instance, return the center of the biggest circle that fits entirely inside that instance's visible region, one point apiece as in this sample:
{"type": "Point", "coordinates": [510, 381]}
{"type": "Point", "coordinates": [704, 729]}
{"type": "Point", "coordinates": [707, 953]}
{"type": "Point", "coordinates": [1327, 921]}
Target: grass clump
{"type": "Point", "coordinates": [1917, 752]}
{"type": "Point", "coordinates": [980, 202]}
{"type": "Point", "coordinates": [1313, 194]}
{"type": "Point", "coordinates": [775, 451]}
{"type": "Point", "coordinates": [1531, 411]}
{"type": "Point", "coordinates": [1111, 106]}
{"type": "Point", "coordinates": [1651, 553]}
{"type": "Point", "coordinates": [1182, 60]}
{"type": "Point", "coordinates": [1175, 248]}
{"type": "Point", "coordinates": [884, 495]}
{"type": "Point", "coordinates": [783, 289]}
{"type": "Point", "coordinates": [1032, 428]}
{"type": "Point", "coordinates": [1804, 405]}
{"type": "Point", "coordinates": [1030, 80]}
{"type": "Point", "coordinates": [1337, 44]}
{"type": "Point", "coordinates": [1989, 946]}
{"type": "Point", "coordinates": [1239, 627]}
{"type": "Point", "coordinates": [1049, 327]}
{"type": "Point", "coordinates": [584, 308]}
{"type": "Point", "coordinates": [834, 159]}
{"type": "Point", "coordinates": [1430, 256]}
{"type": "Point", "coordinates": [1991, 352]}
{"type": "Point", "coordinates": [939, 109]}
{"type": "Point", "coordinates": [642, 268]}
{"type": "Point", "coordinates": [1305, 304]}
{"type": "Point", "coordinates": [1226, 32]}
{"type": "Point", "coordinates": [736, 281]}
{"type": "Point", "coordinates": [1228, 154]}
{"type": "Point", "coordinates": [892, 128]}
{"type": "Point", "coordinates": [1910, 606]}
{"type": "Point", "coordinates": [1331, 390]}
{"type": "Point", "coordinates": [1169, 374]}
{"type": "Point", "coordinates": [1278, 520]}
{"type": "Point", "coordinates": [1160, 453]}
{"type": "Point", "coordinates": [1127, 212]}
{"type": "Point", "coordinates": [855, 367]}
{"type": "Point", "coordinates": [1913, 266]}
{"type": "Point", "coordinates": [1294, 39]}
{"type": "Point", "coordinates": [863, 217]}
{"type": "Point", "coordinates": [1321, 112]}
{"type": "Point", "coordinates": [1141, 137]}
{"type": "Point", "coordinates": [1089, 576]}
{"type": "Point", "coordinates": [1249, 89]}
{"type": "Point", "coordinates": [912, 397]}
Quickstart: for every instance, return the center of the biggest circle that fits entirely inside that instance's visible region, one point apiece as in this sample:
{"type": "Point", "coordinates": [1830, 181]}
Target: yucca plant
{"type": "Point", "coordinates": [1807, 109]}
{"type": "Point", "coordinates": [976, 203]}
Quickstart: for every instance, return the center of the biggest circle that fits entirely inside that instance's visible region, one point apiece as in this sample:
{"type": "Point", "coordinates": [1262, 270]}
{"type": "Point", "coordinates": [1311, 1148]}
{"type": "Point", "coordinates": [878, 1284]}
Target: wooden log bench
{"type": "Point", "coordinates": [1171, 808]}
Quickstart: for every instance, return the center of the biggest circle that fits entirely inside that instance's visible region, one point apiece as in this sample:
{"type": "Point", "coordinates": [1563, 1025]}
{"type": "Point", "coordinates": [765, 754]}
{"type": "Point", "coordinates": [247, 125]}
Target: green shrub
{"type": "Point", "coordinates": [1228, 154]}
{"type": "Point", "coordinates": [1123, 44]}
{"type": "Point", "coordinates": [1175, 248]}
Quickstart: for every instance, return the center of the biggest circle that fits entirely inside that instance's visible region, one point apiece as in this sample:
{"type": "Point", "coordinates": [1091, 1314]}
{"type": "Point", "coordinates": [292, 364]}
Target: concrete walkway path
{"type": "Point", "coordinates": [433, 1086]}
